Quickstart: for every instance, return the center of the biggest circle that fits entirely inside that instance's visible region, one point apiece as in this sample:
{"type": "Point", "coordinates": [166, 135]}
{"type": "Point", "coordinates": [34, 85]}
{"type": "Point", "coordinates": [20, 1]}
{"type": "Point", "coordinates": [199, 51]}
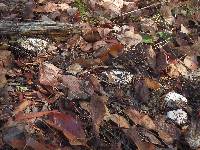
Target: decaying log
{"type": "Point", "coordinates": [37, 28]}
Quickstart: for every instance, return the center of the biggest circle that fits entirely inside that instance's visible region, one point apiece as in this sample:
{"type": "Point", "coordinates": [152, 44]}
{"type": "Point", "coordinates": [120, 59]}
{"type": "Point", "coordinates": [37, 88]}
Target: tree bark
{"type": "Point", "coordinates": [37, 28]}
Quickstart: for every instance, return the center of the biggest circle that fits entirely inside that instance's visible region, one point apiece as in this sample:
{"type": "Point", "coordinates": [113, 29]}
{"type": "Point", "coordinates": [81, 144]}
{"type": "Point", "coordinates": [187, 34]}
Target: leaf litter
{"type": "Point", "coordinates": [128, 80]}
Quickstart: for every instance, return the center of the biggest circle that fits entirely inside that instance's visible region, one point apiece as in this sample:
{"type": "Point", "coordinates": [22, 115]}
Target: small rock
{"type": "Point", "coordinates": [118, 77]}
{"type": "Point", "coordinates": [174, 99]}
{"type": "Point", "coordinates": [179, 116]}
{"type": "Point", "coordinates": [33, 44]}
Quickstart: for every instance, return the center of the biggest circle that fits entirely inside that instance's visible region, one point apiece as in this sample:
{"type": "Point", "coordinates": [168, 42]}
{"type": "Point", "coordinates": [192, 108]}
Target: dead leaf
{"type": "Point", "coordinates": [166, 12]}
{"type": "Point", "coordinates": [129, 37]}
{"type": "Point", "coordinates": [3, 80]}
{"type": "Point", "coordinates": [5, 58]}
{"type": "Point", "coordinates": [151, 57]}
{"type": "Point", "coordinates": [140, 119]}
{"type": "Point", "coordinates": [51, 7]}
{"type": "Point", "coordinates": [15, 137]}
{"type": "Point", "coordinates": [167, 132]}
{"type": "Point", "coordinates": [37, 145]}
{"type": "Point", "coordinates": [98, 110]}
{"type": "Point", "coordinates": [70, 126]}
{"type": "Point", "coordinates": [99, 44]}
{"type": "Point", "coordinates": [152, 84]}
{"type": "Point", "coordinates": [48, 74]}
{"type": "Point", "coordinates": [141, 90]}
{"type": "Point", "coordinates": [115, 49]}
{"type": "Point", "coordinates": [184, 29]}
{"type": "Point", "coordinates": [85, 46]}
{"type": "Point", "coordinates": [73, 41]}
{"type": "Point", "coordinates": [172, 71]}
{"type": "Point", "coordinates": [22, 106]}
{"type": "Point", "coordinates": [85, 105]}
{"type": "Point", "coordinates": [113, 5]}
{"type": "Point", "coordinates": [96, 84]}
{"type": "Point", "coordinates": [87, 63]}
{"type": "Point", "coordinates": [23, 117]}
{"type": "Point", "coordinates": [75, 86]}
{"type": "Point", "coordinates": [133, 133]}
{"type": "Point", "coordinates": [191, 62]}
{"type": "Point", "coordinates": [161, 60]}
{"type": "Point", "coordinates": [119, 120]}
{"type": "Point", "coordinates": [91, 36]}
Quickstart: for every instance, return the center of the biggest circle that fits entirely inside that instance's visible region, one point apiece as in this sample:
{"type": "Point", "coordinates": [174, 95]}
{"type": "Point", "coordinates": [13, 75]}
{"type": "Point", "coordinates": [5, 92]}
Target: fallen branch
{"type": "Point", "coordinates": [38, 28]}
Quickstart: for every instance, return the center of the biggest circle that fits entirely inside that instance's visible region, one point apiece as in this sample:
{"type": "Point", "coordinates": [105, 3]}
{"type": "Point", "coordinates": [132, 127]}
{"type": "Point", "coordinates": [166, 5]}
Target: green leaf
{"type": "Point", "coordinates": [147, 39]}
{"type": "Point", "coordinates": [164, 35]}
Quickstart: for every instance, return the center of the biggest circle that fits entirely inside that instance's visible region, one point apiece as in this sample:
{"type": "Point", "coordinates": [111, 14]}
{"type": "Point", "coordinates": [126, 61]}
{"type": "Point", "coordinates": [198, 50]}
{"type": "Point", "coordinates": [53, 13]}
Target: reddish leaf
{"type": "Point", "coordinates": [116, 49]}
{"type": "Point", "coordinates": [70, 126]}
{"type": "Point", "coordinates": [22, 117]}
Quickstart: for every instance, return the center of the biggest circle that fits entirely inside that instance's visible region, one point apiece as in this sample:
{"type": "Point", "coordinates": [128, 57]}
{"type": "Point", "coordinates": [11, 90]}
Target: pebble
{"type": "Point", "coordinates": [173, 99]}
{"type": "Point", "coordinates": [33, 44]}
{"type": "Point", "coordinates": [119, 77]}
{"type": "Point", "coordinates": [178, 116]}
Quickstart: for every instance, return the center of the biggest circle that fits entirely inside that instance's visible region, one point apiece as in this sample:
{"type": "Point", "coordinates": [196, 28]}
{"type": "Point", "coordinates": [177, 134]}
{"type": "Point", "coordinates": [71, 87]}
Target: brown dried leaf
{"type": "Point", "coordinates": [141, 90]}
{"type": "Point", "coordinates": [75, 86]}
{"type": "Point", "coordinates": [91, 36]}
{"type": "Point", "coordinates": [5, 58]}
{"type": "Point", "coordinates": [191, 62]}
{"type": "Point", "coordinates": [3, 80]}
{"type": "Point", "coordinates": [85, 46]}
{"type": "Point", "coordinates": [152, 84]}
{"type": "Point", "coordinates": [52, 7]}
{"type": "Point", "coordinates": [151, 57]}
{"type": "Point", "coordinates": [119, 120]}
{"type": "Point", "coordinates": [22, 106]}
{"type": "Point", "coordinates": [98, 110]}
{"type": "Point", "coordinates": [115, 49]}
{"type": "Point", "coordinates": [133, 133]}
{"type": "Point", "coordinates": [140, 119]}
{"type": "Point", "coordinates": [23, 117]}
{"type": "Point", "coordinates": [88, 62]}
{"type": "Point", "coordinates": [167, 132]}
{"type": "Point", "coordinates": [48, 74]}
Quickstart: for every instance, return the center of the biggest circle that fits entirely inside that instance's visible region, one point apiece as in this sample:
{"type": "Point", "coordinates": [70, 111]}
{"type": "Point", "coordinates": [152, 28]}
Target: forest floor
{"type": "Point", "coordinates": [126, 76]}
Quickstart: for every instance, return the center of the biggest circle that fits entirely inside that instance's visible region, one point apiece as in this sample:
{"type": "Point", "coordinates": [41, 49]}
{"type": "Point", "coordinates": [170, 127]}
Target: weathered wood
{"type": "Point", "coordinates": [38, 28]}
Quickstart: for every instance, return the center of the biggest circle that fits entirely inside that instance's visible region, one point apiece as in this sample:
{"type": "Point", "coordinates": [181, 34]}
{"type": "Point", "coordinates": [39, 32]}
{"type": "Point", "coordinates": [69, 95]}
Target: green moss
{"type": "Point", "coordinates": [82, 8]}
